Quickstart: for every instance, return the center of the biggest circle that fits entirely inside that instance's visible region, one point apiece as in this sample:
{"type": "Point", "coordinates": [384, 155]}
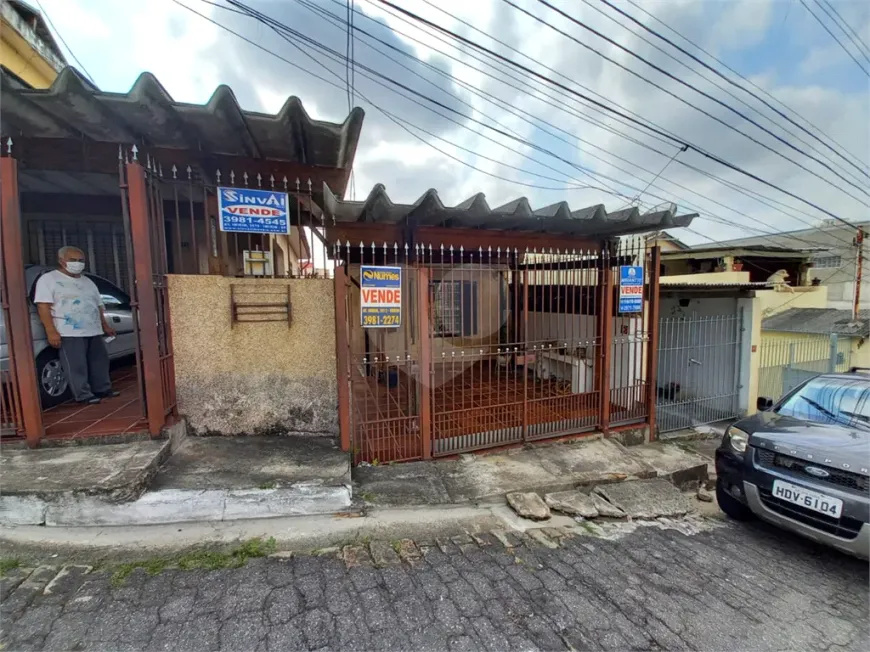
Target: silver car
{"type": "Point", "coordinates": [52, 382]}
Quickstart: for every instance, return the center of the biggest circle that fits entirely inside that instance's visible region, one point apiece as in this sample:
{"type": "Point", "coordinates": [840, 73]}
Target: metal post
{"type": "Point", "coordinates": [342, 345]}
{"type": "Point", "coordinates": [652, 346]}
{"type": "Point", "coordinates": [19, 336]}
{"type": "Point", "coordinates": [424, 323]}
{"type": "Point", "coordinates": [605, 330]}
{"type": "Point", "coordinates": [832, 358]}
{"type": "Point", "coordinates": [143, 263]}
{"type": "Point", "coordinates": [525, 308]}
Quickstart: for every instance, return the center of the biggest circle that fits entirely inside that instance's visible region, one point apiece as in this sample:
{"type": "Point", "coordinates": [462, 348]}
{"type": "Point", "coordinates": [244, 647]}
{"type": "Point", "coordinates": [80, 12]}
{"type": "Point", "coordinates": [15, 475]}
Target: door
{"type": "Point", "coordinates": [119, 314]}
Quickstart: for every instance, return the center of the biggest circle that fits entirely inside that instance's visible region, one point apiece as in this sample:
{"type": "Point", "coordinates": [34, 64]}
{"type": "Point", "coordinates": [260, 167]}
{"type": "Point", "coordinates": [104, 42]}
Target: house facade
{"type": "Point", "coordinates": [28, 50]}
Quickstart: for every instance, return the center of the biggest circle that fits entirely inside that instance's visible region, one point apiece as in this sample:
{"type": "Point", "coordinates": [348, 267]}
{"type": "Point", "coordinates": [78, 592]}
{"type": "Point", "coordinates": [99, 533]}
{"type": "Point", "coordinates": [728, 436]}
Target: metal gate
{"type": "Point", "coordinates": [789, 359]}
{"type": "Point", "coordinates": [142, 208]}
{"type": "Point", "coordinates": [698, 380]}
{"type": "Point", "coordinates": [496, 347]}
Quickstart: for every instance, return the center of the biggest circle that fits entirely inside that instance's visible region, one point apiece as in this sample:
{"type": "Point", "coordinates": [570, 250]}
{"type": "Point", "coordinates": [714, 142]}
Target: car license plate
{"type": "Point", "coordinates": [813, 500]}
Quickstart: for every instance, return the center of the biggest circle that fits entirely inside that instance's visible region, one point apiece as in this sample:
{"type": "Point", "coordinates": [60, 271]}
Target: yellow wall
{"type": "Point", "coordinates": [708, 278]}
{"type": "Point", "coordinates": [772, 302]}
{"type": "Point", "coordinates": [249, 378]}
{"type": "Point", "coordinates": [22, 59]}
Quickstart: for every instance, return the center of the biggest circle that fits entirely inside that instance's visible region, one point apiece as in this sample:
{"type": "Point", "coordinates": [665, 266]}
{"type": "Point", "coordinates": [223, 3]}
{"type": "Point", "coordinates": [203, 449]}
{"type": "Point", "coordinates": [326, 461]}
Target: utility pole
{"type": "Point", "coordinates": [859, 245]}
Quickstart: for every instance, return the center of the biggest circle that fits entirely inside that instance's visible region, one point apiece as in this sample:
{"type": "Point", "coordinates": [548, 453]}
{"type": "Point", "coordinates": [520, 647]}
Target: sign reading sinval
{"type": "Point", "coordinates": [246, 210]}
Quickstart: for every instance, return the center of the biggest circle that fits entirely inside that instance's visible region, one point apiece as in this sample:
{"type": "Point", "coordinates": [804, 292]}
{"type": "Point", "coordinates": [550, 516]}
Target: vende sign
{"type": "Point", "coordinates": [630, 288]}
{"type": "Point", "coordinates": [246, 210]}
{"type": "Point", "coordinates": [380, 296]}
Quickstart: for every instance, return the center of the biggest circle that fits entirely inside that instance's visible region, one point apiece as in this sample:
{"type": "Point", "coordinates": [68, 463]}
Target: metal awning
{"type": "Point", "coordinates": [516, 215]}
{"type": "Point", "coordinates": [73, 108]}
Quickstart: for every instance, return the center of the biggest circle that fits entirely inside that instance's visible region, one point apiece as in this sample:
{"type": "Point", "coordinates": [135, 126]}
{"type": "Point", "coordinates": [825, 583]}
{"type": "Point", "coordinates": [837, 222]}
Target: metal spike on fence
{"type": "Point", "coordinates": [461, 250]}
{"type": "Point", "coordinates": [245, 178]}
{"type": "Point", "coordinates": [272, 181]}
{"type": "Point", "coordinates": [232, 177]}
{"type": "Point", "coordinates": [217, 176]}
{"type": "Point", "coordinates": [385, 251]}
{"type": "Point", "coordinates": [160, 170]}
{"type": "Point", "coordinates": [284, 180]}
{"type": "Point", "coordinates": [189, 172]}
{"type": "Point", "coordinates": [309, 186]}
{"type": "Point", "coordinates": [120, 149]}
{"type": "Point", "coordinates": [297, 184]}
{"type": "Point", "coordinates": [396, 250]}
{"type": "Point", "coordinates": [259, 180]}
{"type": "Point", "coordinates": [148, 162]}
{"type": "Point", "coordinates": [135, 152]}
{"type": "Point", "coordinates": [174, 171]}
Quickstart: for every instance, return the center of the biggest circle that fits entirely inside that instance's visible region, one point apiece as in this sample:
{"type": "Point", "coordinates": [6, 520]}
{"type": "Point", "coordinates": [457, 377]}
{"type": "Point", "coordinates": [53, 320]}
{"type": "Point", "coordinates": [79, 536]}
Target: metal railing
{"type": "Point", "coordinates": [790, 359]}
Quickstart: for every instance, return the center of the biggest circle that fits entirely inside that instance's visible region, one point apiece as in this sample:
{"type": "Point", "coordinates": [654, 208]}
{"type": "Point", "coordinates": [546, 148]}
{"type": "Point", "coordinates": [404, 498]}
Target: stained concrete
{"type": "Point", "coordinates": [115, 473]}
{"type": "Point", "coordinates": [593, 462]}
{"type": "Point", "coordinates": [575, 503]}
{"type": "Point", "coordinates": [645, 499]}
{"type": "Point", "coordinates": [528, 505]}
{"type": "Point", "coordinates": [203, 463]}
{"type": "Point", "coordinates": [684, 468]}
{"type": "Point", "coordinates": [490, 477]}
{"type": "Point", "coordinates": [414, 483]}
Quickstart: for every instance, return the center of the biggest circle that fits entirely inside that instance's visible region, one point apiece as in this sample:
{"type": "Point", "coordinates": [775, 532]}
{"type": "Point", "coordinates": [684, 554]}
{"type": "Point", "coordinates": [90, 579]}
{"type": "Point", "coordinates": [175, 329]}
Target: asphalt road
{"type": "Point", "coordinates": [733, 588]}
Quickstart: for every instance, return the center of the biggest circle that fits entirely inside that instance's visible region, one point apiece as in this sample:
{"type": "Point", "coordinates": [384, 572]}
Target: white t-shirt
{"type": "Point", "coordinates": [75, 303]}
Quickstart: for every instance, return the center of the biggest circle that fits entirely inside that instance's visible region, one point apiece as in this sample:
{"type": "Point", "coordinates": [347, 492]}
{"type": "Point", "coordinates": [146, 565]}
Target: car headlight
{"type": "Point", "coordinates": [737, 439]}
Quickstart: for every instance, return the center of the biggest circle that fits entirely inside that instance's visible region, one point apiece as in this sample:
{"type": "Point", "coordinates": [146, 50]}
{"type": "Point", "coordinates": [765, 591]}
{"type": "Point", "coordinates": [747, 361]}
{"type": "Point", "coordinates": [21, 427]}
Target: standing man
{"type": "Point", "coordinates": [71, 310]}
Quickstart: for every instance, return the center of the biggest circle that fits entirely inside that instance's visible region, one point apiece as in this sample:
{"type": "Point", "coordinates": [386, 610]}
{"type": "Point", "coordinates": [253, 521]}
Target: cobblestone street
{"type": "Point", "coordinates": [737, 587]}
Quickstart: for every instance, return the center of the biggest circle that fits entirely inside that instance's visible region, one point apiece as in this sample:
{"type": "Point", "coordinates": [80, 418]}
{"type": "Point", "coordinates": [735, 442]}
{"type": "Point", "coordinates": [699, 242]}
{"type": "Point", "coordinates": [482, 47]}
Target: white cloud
{"type": "Point", "coordinates": [191, 57]}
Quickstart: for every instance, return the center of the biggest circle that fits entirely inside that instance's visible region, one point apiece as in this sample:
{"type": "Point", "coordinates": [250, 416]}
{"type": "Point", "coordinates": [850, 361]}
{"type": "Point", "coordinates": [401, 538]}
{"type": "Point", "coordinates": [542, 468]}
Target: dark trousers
{"type": "Point", "coordinates": [85, 361]}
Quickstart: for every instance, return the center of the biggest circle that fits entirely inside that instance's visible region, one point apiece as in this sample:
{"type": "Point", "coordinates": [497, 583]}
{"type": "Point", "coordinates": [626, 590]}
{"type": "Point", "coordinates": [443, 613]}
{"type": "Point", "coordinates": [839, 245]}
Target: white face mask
{"type": "Point", "coordinates": [75, 267]}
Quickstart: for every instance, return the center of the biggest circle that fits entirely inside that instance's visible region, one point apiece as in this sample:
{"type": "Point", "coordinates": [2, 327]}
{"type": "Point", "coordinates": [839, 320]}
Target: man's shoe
{"type": "Point", "coordinates": [110, 394]}
{"type": "Point", "coordinates": [93, 400]}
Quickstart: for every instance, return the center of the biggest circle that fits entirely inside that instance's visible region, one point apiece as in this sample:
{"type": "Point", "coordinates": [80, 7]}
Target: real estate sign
{"type": "Point", "coordinates": [246, 210]}
{"type": "Point", "coordinates": [630, 288]}
{"type": "Point", "coordinates": [380, 296]}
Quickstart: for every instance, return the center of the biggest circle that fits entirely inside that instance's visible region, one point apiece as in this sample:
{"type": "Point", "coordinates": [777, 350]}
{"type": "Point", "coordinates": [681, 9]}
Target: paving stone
{"type": "Point", "coordinates": [645, 499]}
{"type": "Point", "coordinates": [704, 495]}
{"type": "Point", "coordinates": [383, 554]}
{"type": "Point", "coordinates": [408, 551]}
{"type": "Point", "coordinates": [529, 505]}
{"type": "Point", "coordinates": [505, 538]}
{"type": "Point", "coordinates": [575, 503]}
{"type": "Point", "coordinates": [538, 536]}
{"type": "Point", "coordinates": [356, 556]}
{"type": "Point", "coordinates": [606, 508]}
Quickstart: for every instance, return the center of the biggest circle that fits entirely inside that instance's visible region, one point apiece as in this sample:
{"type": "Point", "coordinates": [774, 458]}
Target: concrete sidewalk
{"type": "Point", "coordinates": [540, 469]}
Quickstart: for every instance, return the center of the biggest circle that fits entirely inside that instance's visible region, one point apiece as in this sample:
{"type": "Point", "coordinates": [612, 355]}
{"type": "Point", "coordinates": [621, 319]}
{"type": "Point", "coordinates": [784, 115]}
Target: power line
{"type": "Point", "coordinates": [267, 20]}
{"type": "Point", "coordinates": [833, 36]}
{"type": "Point", "coordinates": [527, 70]}
{"type": "Point", "coordinates": [732, 82]}
{"type": "Point", "coordinates": [655, 178]}
{"type": "Point", "coordinates": [752, 194]}
{"type": "Point", "coordinates": [60, 36]}
{"type": "Point", "coordinates": [731, 70]}
{"type": "Point", "coordinates": [685, 101]}
{"type": "Point", "coordinates": [335, 57]}
{"type": "Point", "coordinates": [850, 33]}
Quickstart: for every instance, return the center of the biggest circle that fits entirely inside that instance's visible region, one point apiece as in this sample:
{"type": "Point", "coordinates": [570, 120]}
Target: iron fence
{"type": "Point", "coordinates": [698, 370]}
{"type": "Point", "coordinates": [496, 346]}
{"type": "Point", "coordinates": [787, 360]}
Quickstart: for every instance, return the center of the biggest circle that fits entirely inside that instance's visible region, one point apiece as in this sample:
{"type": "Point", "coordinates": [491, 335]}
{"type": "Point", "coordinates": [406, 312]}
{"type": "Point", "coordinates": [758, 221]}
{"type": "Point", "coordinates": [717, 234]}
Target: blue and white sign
{"type": "Point", "coordinates": [630, 288]}
{"type": "Point", "coordinates": [245, 210]}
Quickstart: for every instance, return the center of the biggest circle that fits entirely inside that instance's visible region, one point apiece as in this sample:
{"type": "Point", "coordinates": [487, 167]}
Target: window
{"type": "Point", "coordinates": [828, 262]}
{"type": "Point", "coordinates": [456, 307]}
{"type": "Point", "coordinates": [830, 400]}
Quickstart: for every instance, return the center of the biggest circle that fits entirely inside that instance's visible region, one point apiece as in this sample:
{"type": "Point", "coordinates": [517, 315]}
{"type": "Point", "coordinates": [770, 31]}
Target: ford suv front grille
{"type": "Point", "coordinates": [837, 477]}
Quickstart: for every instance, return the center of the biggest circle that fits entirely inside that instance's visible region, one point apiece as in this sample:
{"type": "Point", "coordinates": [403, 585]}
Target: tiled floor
{"type": "Point", "coordinates": [113, 416]}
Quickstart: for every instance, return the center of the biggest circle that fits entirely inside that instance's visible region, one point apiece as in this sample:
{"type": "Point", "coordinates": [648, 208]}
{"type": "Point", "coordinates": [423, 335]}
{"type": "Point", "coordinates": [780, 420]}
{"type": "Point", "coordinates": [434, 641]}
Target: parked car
{"type": "Point", "coordinates": [803, 463]}
{"type": "Point", "coordinates": [52, 382]}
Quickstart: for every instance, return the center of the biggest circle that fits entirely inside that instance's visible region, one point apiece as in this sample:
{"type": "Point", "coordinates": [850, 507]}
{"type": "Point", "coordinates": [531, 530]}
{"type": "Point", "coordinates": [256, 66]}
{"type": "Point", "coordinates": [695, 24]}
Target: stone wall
{"type": "Point", "coordinates": [254, 377]}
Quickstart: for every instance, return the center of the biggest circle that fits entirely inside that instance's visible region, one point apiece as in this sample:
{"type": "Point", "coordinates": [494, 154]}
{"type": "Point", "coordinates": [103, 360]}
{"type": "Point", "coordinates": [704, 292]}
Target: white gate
{"type": "Point", "coordinates": [698, 379]}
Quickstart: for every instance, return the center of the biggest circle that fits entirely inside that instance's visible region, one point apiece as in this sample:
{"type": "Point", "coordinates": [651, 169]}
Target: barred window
{"type": "Point", "coordinates": [828, 262]}
{"type": "Point", "coordinates": [455, 307]}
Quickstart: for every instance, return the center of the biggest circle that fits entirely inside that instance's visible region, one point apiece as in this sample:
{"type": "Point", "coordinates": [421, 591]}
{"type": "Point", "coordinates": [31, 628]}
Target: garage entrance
{"type": "Point", "coordinates": [699, 363]}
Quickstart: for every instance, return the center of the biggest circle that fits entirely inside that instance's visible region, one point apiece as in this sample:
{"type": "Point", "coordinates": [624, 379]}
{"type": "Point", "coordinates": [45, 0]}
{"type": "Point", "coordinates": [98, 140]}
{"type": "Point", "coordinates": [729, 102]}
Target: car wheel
{"type": "Point", "coordinates": [53, 385]}
{"type": "Point", "coordinates": [730, 505]}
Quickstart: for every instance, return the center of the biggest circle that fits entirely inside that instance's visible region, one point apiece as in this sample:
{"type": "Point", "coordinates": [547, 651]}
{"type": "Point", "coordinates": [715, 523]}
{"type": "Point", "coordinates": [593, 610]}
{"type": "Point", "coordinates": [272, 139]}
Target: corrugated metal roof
{"type": "Point", "coordinates": [819, 320]}
{"type": "Point", "coordinates": [516, 215]}
{"type": "Point", "coordinates": [761, 251]}
{"type": "Point", "coordinates": [147, 115]}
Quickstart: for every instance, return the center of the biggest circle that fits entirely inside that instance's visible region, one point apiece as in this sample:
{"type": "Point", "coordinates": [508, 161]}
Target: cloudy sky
{"type": "Point", "coordinates": [470, 124]}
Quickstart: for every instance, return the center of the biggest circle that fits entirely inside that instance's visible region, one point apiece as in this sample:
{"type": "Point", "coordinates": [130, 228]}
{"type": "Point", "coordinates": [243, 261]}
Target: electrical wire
{"type": "Point", "coordinates": [732, 82]}
{"type": "Point", "coordinates": [60, 36]}
{"type": "Point", "coordinates": [736, 73]}
{"type": "Point", "coordinates": [685, 101]}
{"type": "Point", "coordinates": [850, 33]}
{"type": "Point", "coordinates": [273, 24]}
{"type": "Point", "coordinates": [833, 36]}
{"type": "Point", "coordinates": [701, 151]}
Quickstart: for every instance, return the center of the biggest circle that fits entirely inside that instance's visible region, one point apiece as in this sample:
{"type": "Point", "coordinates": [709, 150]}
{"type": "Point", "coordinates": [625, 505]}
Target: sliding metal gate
{"type": "Point", "coordinates": [698, 370]}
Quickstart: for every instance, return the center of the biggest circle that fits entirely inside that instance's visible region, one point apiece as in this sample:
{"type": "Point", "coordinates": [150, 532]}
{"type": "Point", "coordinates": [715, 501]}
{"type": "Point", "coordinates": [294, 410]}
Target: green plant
{"type": "Point", "coordinates": [7, 564]}
{"type": "Point", "coordinates": [271, 484]}
{"type": "Point", "coordinates": [367, 496]}
{"type": "Point", "coordinates": [199, 559]}
{"type": "Point", "coordinates": [397, 546]}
